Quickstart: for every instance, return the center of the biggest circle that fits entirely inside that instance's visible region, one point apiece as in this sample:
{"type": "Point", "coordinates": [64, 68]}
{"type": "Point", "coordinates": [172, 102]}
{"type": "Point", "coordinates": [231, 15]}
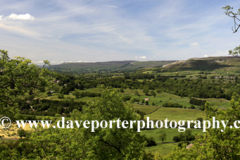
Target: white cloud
{"type": "Point", "coordinates": [220, 53]}
{"type": "Point", "coordinates": [205, 55]}
{"type": "Point", "coordinates": [141, 57]}
{"type": "Point", "coordinates": [79, 61]}
{"type": "Point", "coordinates": [18, 30]}
{"type": "Point", "coordinates": [92, 29]}
{"type": "Point", "coordinates": [194, 44]}
{"type": "Point", "coordinates": [124, 39]}
{"type": "Point", "coordinates": [111, 6]}
{"type": "Point", "coordinates": [37, 62]}
{"type": "Point", "coordinates": [16, 26]}
{"type": "Point", "coordinates": [21, 16]}
{"type": "Point", "coordinates": [53, 62]}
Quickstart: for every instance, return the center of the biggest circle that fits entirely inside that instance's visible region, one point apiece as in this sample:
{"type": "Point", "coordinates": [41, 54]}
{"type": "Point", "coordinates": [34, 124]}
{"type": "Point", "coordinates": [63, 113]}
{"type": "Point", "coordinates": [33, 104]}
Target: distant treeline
{"type": "Point", "coordinates": [139, 76]}
{"type": "Point", "coordinates": [198, 102]}
{"type": "Point", "coordinates": [184, 87]}
{"type": "Point", "coordinates": [48, 107]}
{"type": "Point", "coordinates": [86, 94]}
{"type": "Point", "coordinates": [174, 105]}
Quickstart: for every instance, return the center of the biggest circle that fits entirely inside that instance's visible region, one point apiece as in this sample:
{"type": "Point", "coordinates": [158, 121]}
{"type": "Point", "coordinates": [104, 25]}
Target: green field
{"type": "Point", "coordinates": [144, 108]}
{"type": "Point", "coordinates": [167, 145]}
{"type": "Point", "coordinates": [176, 114]}
{"type": "Point", "coordinates": [170, 133]}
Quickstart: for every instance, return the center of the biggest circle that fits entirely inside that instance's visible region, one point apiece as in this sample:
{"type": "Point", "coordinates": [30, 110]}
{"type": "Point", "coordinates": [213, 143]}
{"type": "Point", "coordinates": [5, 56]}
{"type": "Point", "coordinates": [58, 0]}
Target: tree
{"type": "Point", "coordinates": [136, 93]}
{"type": "Point", "coordinates": [77, 94]}
{"type": "Point", "coordinates": [22, 133]}
{"type": "Point", "coordinates": [159, 91]}
{"type": "Point", "coordinates": [163, 136]}
{"type": "Point", "coordinates": [146, 90]}
{"type": "Point", "coordinates": [233, 15]}
{"type": "Point", "coordinates": [235, 51]}
{"type": "Point", "coordinates": [121, 90]}
{"type": "Point", "coordinates": [230, 13]}
{"type": "Point", "coordinates": [151, 142]}
{"type": "Point", "coordinates": [59, 110]}
{"type": "Point", "coordinates": [46, 62]}
{"type": "Point", "coordinates": [18, 77]}
{"type": "Point", "coordinates": [200, 119]}
{"type": "Point", "coordinates": [153, 93]}
{"type": "Point", "coordinates": [176, 139]}
{"type": "Point", "coordinates": [236, 79]}
{"type": "Point", "coordinates": [81, 143]}
{"type": "Point", "coordinates": [188, 135]}
{"type": "Point", "coordinates": [4, 58]}
{"type": "Point", "coordinates": [132, 100]}
{"type": "Point", "coordinates": [49, 93]}
{"type": "Point", "coordinates": [61, 96]}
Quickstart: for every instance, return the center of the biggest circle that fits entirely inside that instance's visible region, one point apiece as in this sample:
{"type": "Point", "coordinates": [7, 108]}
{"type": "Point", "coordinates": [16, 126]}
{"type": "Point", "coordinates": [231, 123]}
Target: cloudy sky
{"type": "Point", "coordinates": [106, 30]}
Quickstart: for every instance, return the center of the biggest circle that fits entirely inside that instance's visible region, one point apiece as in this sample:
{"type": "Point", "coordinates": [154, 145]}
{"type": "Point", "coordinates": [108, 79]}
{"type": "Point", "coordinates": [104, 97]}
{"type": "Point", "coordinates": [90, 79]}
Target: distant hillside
{"type": "Point", "coordinates": [112, 66]}
{"type": "Point", "coordinates": [209, 63]}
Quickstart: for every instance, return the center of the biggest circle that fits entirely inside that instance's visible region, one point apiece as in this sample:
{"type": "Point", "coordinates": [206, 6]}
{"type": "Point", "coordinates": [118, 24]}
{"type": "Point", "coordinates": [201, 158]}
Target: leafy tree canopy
{"type": "Point", "coordinates": [81, 143]}
{"type": "Point", "coordinates": [230, 13]}
{"type": "Point", "coordinates": [19, 77]}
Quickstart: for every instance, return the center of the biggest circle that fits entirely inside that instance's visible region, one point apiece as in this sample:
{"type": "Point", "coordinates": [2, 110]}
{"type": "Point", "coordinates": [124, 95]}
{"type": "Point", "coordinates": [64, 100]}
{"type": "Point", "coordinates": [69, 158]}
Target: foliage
{"type": "Point", "coordinates": [174, 105]}
{"type": "Point", "coordinates": [49, 107]}
{"type": "Point", "coordinates": [21, 133]}
{"type": "Point", "coordinates": [121, 90]}
{"type": "Point", "coordinates": [77, 94]}
{"type": "Point", "coordinates": [198, 102]}
{"type": "Point", "coordinates": [81, 143]}
{"type": "Point", "coordinates": [61, 96]}
{"type": "Point", "coordinates": [185, 136]}
{"type": "Point", "coordinates": [215, 144]}
{"type": "Point", "coordinates": [136, 93]}
{"type": "Point", "coordinates": [126, 98]}
{"type": "Point", "coordinates": [18, 77]}
{"type": "Point", "coordinates": [163, 136]}
{"type": "Point", "coordinates": [176, 139]}
{"type": "Point", "coordinates": [49, 93]}
{"type": "Point", "coordinates": [146, 90]}
{"type": "Point", "coordinates": [192, 106]}
{"type": "Point", "coordinates": [230, 13]}
{"type": "Point", "coordinates": [235, 51]}
{"type": "Point", "coordinates": [151, 142]}
{"type": "Point", "coordinates": [153, 93]}
{"type": "Point", "coordinates": [140, 113]}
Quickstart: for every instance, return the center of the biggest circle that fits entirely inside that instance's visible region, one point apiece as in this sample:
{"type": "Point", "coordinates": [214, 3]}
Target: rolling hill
{"type": "Point", "coordinates": [209, 63]}
{"type": "Point", "coordinates": [111, 66]}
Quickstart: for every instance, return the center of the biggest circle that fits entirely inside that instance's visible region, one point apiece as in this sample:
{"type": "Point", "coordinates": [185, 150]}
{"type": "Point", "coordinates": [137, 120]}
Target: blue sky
{"type": "Point", "coordinates": [107, 30]}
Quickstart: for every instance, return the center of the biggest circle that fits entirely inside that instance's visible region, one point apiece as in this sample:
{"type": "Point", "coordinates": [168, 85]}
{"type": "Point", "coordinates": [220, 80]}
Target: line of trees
{"type": "Point", "coordinates": [198, 102]}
